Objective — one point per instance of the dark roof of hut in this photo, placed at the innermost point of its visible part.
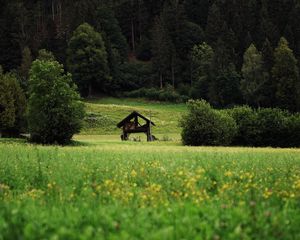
(131, 116)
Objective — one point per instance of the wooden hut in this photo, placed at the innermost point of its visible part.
(131, 124)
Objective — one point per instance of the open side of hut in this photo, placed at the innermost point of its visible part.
(1, 108)
(131, 124)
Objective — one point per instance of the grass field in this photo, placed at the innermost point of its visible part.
(110, 111)
(102, 188)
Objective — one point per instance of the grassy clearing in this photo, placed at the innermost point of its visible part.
(110, 111)
(101, 188)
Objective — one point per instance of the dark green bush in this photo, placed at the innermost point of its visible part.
(292, 132)
(266, 127)
(205, 126)
(248, 133)
(135, 75)
(271, 124)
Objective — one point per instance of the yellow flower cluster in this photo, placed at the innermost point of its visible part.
(152, 183)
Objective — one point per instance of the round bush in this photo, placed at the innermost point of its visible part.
(55, 112)
(292, 138)
(248, 133)
(205, 126)
(272, 125)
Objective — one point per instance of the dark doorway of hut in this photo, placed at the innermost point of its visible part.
(131, 124)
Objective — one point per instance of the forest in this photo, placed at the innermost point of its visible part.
(226, 52)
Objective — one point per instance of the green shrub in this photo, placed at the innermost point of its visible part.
(205, 126)
(271, 124)
(55, 112)
(266, 127)
(292, 138)
(248, 133)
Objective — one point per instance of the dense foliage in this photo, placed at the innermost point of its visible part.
(266, 127)
(225, 52)
(242, 126)
(55, 112)
(204, 125)
(87, 59)
(12, 105)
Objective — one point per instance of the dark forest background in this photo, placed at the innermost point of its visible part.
(225, 51)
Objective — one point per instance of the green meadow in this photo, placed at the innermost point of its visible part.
(102, 188)
(109, 112)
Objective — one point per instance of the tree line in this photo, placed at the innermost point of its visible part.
(226, 52)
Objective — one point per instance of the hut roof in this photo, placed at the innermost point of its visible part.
(131, 116)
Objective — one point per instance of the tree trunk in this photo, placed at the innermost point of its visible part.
(161, 80)
(90, 90)
(53, 16)
(173, 74)
(132, 35)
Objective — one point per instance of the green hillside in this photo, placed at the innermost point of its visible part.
(104, 114)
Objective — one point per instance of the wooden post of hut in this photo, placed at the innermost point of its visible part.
(131, 124)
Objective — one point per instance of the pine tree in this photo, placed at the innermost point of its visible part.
(25, 65)
(161, 49)
(266, 29)
(87, 59)
(7, 108)
(248, 40)
(214, 24)
(12, 105)
(254, 76)
(108, 25)
(202, 57)
(269, 88)
(285, 73)
(197, 11)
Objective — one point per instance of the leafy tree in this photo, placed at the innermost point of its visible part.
(87, 59)
(202, 57)
(45, 55)
(285, 73)
(254, 76)
(55, 111)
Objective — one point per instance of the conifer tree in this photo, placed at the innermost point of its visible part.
(285, 74)
(254, 76)
(269, 88)
(87, 59)
(202, 57)
(214, 24)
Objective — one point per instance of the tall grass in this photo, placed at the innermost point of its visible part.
(101, 189)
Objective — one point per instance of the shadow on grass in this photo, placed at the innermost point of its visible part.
(13, 140)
